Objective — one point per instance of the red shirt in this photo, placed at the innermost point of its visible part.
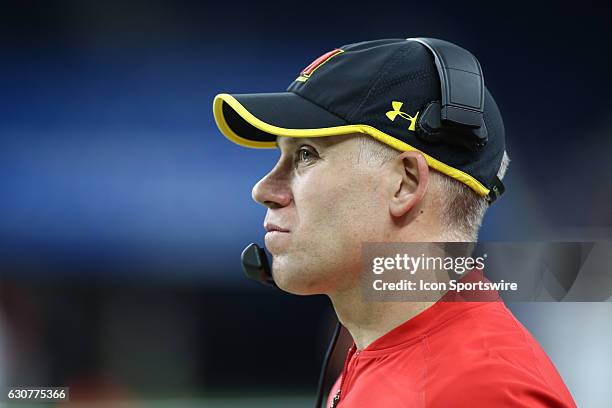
(453, 354)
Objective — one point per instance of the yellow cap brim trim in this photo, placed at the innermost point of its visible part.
(325, 132)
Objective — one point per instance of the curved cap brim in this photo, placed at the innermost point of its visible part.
(255, 120)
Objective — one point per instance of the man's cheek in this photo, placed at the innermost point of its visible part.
(316, 196)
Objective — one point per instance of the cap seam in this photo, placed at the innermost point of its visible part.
(391, 59)
(320, 106)
(422, 74)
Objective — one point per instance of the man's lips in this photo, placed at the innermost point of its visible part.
(277, 238)
(270, 227)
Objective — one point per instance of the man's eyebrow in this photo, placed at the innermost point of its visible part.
(290, 142)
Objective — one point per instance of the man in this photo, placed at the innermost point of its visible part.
(358, 165)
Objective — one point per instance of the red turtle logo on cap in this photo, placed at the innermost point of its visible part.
(307, 72)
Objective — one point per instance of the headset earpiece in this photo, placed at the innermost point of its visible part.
(430, 128)
(458, 119)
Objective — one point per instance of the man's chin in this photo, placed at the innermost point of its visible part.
(292, 280)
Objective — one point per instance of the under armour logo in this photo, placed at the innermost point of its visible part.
(392, 114)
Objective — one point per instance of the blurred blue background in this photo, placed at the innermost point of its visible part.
(123, 210)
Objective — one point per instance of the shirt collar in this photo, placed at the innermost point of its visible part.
(450, 306)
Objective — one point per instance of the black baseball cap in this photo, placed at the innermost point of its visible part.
(377, 88)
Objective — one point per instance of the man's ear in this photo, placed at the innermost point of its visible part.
(409, 192)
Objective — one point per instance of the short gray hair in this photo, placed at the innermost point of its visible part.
(461, 207)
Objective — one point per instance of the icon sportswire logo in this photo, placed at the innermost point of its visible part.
(397, 106)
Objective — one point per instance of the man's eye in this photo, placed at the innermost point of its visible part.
(306, 154)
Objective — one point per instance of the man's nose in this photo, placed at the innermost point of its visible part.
(272, 191)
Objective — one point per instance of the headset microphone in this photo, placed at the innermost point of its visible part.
(256, 266)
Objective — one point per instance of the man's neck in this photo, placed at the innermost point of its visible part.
(368, 321)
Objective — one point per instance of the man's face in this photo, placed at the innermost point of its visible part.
(328, 202)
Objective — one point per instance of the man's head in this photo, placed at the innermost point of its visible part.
(331, 194)
(385, 140)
